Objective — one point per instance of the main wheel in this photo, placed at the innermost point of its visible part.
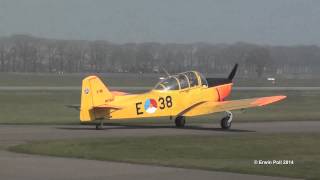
(180, 121)
(225, 123)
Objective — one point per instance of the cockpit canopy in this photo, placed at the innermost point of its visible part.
(182, 81)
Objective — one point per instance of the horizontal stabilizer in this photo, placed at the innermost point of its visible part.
(106, 106)
(74, 106)
(118, 93)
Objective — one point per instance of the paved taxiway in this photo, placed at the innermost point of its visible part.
(20, 166)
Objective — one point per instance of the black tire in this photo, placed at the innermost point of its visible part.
(225, 124)
(180, 121)
(99, 127)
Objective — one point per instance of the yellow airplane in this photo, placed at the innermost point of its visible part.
(181, 95)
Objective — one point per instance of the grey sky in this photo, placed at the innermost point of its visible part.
(275, 22)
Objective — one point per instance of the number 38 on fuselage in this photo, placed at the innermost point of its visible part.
(172, 94)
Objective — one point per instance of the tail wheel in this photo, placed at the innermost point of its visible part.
(99, 126)
(226, 121)
(180, 121)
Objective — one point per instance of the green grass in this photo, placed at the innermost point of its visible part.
(41, 107)
(49, 107)
(222, 153)
(285, 82)
(299, 105)
(131, 79)
(41, 79)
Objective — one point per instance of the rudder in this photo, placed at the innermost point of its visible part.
(94, 93)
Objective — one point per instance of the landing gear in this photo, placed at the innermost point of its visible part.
(100, 125)
(226, 121)
(180, 121)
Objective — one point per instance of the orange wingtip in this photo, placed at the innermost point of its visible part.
(267, 100)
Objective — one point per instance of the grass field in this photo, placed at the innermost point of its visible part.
(129, 79)
(227, 153)
(26, 79)
(49, 107)
(41, 107)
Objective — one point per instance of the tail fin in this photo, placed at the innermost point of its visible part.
(94, 93)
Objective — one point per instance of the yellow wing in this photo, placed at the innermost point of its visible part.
(209, 107)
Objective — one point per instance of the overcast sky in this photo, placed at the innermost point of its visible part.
(274, 22)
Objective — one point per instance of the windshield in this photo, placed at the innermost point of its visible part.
(169, 83)
(192, 79)
(181, 81)
(203, 80)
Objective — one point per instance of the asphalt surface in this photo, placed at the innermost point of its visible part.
(21, 166)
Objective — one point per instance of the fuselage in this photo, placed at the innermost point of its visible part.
(172, 96)
(157, 103)
(179, 96)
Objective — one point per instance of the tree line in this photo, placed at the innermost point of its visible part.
(24, 53)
